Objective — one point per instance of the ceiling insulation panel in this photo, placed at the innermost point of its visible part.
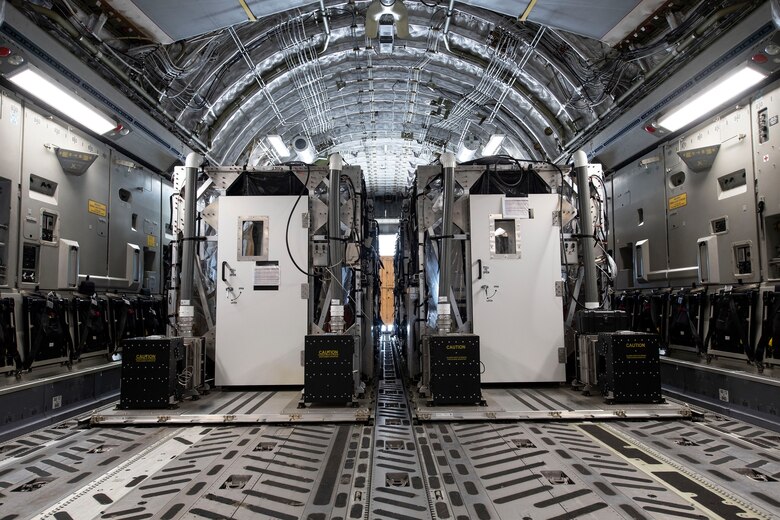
(606, 20)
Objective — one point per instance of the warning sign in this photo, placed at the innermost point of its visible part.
(96, 208)
(678, 201)
(151, 241)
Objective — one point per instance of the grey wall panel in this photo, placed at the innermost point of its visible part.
(10, 169)
(134, 206)
(166, 231)
(639, 214)
(705, 197)
(71, 199)
(766, 156)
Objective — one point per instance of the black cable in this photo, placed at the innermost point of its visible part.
(289, 219)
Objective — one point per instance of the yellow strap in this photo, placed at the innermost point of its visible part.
(524, 16)
(251, 15)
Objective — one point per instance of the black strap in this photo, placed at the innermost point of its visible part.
(770, 326)
(42, 334)
(736, 320)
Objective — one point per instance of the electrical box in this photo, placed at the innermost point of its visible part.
(455, 369)
(328, 368)
(151, 368)
(630, 367)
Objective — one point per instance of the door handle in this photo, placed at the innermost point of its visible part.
(224, 265)
(479, 267)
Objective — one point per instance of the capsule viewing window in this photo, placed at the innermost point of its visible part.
(253, 238)
(504, 237)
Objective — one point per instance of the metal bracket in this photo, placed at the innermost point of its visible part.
(559, 288)
(556, 218)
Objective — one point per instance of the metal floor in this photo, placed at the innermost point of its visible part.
(395, 469)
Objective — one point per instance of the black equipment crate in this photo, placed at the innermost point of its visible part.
(595, 321)
(328, 376)
(455, 369)
(150, 372)
(629, 367)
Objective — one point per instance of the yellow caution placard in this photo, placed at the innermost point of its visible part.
(328, 354)
(678, 201)
(151, 241)
(97, 208)
(146, 358)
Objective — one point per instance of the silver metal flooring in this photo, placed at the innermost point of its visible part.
(395, 469)
(548, 403)
(273, 406)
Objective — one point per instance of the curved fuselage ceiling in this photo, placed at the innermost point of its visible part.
(233, 72)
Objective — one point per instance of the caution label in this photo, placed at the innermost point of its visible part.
(97, 208)
(678, 201)
(151, 241)
(146, 358)
(328, 354)
(456, 347)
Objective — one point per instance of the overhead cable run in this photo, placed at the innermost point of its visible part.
(253, 69)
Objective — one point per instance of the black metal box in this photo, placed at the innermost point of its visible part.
(594, 321)
(629, 367)
(455, 369)
(150, 372)
(327, 373)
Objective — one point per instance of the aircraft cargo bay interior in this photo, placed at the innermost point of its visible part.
(389, 259)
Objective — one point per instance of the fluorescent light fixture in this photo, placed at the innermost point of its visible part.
(56, 96)
(304, 149)
(466, 151)
(386, 245)
(308, 156)
(278, 144)
(493, 144)
(708, 100)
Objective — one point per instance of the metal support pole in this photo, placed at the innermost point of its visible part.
(187, 273)
(445, 243)
(336, 249)
(588, 239)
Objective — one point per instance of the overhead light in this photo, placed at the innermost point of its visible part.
(467, 148)
(56, 96)
(715, 96)
(304, 149)
(278, 145)
(493, 144)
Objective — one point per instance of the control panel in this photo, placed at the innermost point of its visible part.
(30, 255)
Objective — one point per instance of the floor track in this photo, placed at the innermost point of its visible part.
(395, 469)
